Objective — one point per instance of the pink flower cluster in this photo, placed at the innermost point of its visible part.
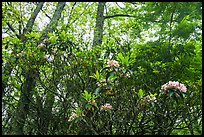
(175, 85)
(113, 63)
(107, 106)
(148, 99)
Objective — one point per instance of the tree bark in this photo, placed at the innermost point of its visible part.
(98, 32)
(25, 99)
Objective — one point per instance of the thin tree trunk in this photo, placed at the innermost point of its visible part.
(98, 32)
(46, 113)
(30, 78)
(55, 18)
(27, 87)
(8, 67)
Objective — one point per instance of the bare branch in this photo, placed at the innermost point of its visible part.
(48, 16)
(119, 5)
(20, 21)
(119, 15)
(80, 14)
(71, 12)
(9, 25)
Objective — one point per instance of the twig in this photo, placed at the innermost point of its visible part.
(119, 15)
(9, 25)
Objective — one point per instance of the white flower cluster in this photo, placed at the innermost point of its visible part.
(49, 58)
(113, 63)
(175, 85)
(73, 116)
(41, 46)
(107, 106)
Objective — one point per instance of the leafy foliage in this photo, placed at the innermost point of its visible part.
(65, 85)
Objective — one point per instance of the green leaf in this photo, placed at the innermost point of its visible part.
(97, 91)
(92, 76)
(96, 76)
(171, 93)
(153, 95)
(50, 34)
(78, 111)
(53, 39)
(62, 35)
(120, 57)
(86, 95)
(140, 93)
(109, 74)
(88, 106)
(126, 61)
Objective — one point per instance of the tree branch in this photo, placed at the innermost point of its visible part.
(80, 14)
(12, 29)
(119, 15)
(47, 16)
(119, 5)
(71, 12)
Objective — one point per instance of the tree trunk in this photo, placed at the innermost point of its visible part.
(54, 20)
(8, 67)
(30, 77)
(31, 21)
(30, 80)
(98, 32)
(25, 99)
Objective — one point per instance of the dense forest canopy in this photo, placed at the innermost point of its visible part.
(101, 68)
